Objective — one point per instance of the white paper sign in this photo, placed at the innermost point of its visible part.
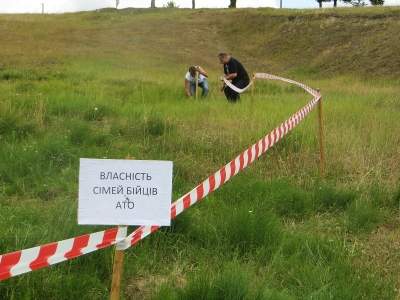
(124, 192)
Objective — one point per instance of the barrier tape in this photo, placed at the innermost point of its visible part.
(269, 77)
(235, 88)
(232, 168)
(24, 261)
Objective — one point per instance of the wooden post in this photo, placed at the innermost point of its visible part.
(321, 139)
(118, 267)
(254, 85)
(197, 84)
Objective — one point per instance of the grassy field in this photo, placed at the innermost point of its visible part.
(110, 84)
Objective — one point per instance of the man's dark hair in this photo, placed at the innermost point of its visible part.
(223, 54)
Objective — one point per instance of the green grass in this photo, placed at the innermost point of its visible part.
(109, 85)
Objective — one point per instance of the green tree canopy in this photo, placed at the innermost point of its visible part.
(377, 2)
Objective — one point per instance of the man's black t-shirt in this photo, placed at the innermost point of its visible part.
(234, 66)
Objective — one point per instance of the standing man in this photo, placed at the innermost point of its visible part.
(190, 81)
(236, 73)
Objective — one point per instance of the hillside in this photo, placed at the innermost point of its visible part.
(109, 84)
(319, 42)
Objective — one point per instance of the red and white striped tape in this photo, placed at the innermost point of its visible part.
(268, 77)
(232, 168)
(235, 88)
(20, 262)
(24, 261)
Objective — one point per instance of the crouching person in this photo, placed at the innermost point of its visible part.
(190, 81)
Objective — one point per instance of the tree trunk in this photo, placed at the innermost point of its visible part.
(320, 3)
(334, 3)
(193, 4)
(233, 4)
(153, 4)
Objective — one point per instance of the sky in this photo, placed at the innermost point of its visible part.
(60, 6)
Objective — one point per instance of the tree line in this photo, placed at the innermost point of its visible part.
(233, 3)
(352, 2)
